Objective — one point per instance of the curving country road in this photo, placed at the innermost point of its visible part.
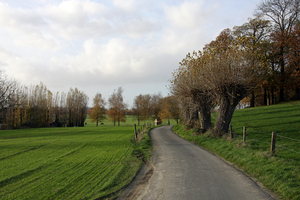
(182, 170)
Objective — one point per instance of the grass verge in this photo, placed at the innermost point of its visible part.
(279, 172)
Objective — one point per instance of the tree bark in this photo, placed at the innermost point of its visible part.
(252, 101)
(297, 93)
(281, 89)
(194, 117)
(265, 96)
(226, 110)
(205, 119)
(228, 98)
(272, 96)
(203, 102)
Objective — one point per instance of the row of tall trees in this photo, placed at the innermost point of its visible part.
(117, 108)
(145, 107)
(155, 107)
(259, 58)
(36, 106)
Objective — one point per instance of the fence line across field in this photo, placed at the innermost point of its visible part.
(279, 146)
(288, 138)
(258, 141)
(265, 133)
(273, 138)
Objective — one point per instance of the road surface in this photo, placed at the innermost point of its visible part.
(182, 170)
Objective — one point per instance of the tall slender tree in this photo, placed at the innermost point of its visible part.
(117, 106)
(142, 107)
(98, 110)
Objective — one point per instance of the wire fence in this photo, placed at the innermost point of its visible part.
(242, 133)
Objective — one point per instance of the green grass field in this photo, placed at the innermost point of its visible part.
(67, 163)
(130, 121)
(279, 172)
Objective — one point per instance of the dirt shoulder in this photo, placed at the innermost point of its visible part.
(141, 179)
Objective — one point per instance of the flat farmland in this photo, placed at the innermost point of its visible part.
(130, 121)
(66, 163)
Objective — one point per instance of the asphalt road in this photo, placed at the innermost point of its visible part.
(182, 170)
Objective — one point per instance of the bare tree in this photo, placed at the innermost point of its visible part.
(76, 105)
(188, 111)
(229, 74)
(8, 91)
(189, 82)
(154, 104)
(142, 107)
(117, 108)
(39, 106)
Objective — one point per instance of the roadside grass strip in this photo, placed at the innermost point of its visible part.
(66, 163)
(279, 172)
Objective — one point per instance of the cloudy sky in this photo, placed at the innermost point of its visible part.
(100, 45)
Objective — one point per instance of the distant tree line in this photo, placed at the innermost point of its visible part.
(145, 107)
(36, 106)
(155, 106)
(256, 64)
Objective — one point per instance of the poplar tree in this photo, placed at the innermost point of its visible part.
(98, 110)
(117, 107)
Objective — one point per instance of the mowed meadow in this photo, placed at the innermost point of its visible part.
(67, 163)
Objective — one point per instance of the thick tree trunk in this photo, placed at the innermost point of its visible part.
(194, 117)
(205, 119)
(281, 89)
(226, 110)
(297, 93)
(228, 98)
(268, 98)
(186, 116)
(265, 96)
(203, 102)
(272, 96)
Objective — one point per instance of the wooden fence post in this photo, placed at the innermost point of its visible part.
(273, 141)
(244, 134)
(135, 133)
(231, 133)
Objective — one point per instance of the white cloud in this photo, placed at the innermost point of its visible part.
(91, 43)
(187, 15)
(75, 19)
(127, 5)
(43, 42)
